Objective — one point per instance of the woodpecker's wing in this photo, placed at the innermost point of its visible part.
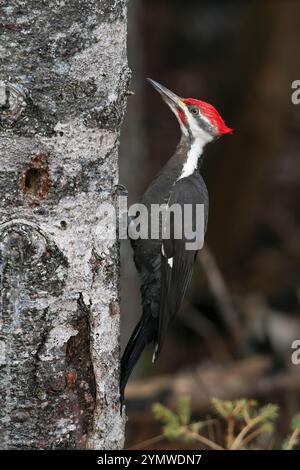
(175, 281)
(178, 255)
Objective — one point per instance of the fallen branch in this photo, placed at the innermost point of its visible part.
(246, 378)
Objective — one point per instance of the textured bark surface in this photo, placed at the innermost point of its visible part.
(64, 79)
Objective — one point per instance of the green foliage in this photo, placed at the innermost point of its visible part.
(176, 426)
(232, 409)
(243, 419)
(163, 414)
(269, 412)
(296, 423)
(184, 410)
(293, 439)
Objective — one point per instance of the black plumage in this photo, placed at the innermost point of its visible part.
(163, 287)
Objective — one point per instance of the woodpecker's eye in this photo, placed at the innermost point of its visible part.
(194, 110)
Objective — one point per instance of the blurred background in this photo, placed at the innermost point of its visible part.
(234, 335)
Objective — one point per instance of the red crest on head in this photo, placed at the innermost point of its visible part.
(211, 113)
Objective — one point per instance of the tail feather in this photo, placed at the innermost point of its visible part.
(142, 335)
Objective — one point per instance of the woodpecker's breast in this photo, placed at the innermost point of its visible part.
(183, 160)
(180, 175)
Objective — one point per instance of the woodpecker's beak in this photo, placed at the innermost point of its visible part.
(168, 96)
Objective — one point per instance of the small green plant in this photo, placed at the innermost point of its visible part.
(179, 425)
(244, 422)
(293, 439)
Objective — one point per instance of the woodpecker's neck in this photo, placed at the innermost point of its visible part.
(194, 155)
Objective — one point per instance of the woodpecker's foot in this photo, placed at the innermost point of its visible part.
(121, 190)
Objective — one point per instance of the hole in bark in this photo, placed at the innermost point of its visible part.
(63, 225)
(33, 181)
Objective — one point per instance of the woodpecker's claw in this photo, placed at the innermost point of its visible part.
(121, 190)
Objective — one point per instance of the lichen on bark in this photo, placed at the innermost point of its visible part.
(63, 84)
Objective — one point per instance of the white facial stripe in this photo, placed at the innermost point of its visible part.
(192, 122)
(201, 138)
(182, 126)
(170, 262)
(192, 158)
(204, 118)
(195, 128)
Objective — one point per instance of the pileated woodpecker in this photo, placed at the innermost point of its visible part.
(165, 265)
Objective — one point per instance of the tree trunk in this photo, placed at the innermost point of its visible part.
(64, 79)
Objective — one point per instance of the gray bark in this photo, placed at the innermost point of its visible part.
(64, 80)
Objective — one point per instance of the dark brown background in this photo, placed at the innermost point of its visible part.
(242, 57)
